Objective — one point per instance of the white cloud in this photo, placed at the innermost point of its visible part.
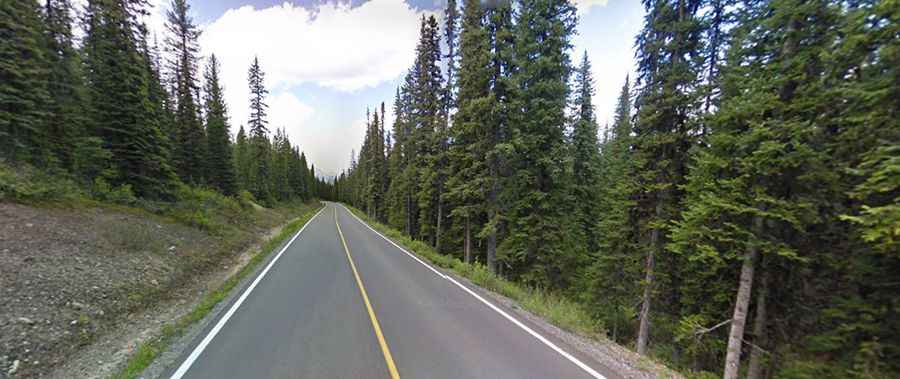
(333, 45)
(584, 6)
(287, 111)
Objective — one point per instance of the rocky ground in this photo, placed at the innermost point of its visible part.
(69, 277)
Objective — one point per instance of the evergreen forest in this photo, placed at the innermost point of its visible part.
(740, 216)
(120, 111)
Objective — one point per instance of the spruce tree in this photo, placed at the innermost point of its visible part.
(428, 132)
(258, 139)
(126, 122)
(471, 132)
(220, 167)
(305, 184)
(242, 160)
(666, 106)
(23, 83)
(398, 194)
(615, 269)
(539, 246)
(65, 118)
(451, 37)
(181, 43)
(585, 153)
(500, 30)
(758, 186)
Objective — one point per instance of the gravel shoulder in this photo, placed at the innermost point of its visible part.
(81, 287)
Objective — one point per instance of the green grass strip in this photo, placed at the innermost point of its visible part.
(148, 350)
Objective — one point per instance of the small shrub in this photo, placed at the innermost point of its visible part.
(246, 199)
(205, 208)
(26, 183)
(103, 191)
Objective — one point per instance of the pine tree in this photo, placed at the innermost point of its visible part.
(23, 83)
(616, 269)
(259, 142)
(279, 165)
(220, 167)
(451, 37)
(181, 44)
(501, 35)
(126, 122)
(65, 119)
(666, 107)
(539, 247)
(758, 184)
(398, 194)
(242, 160)
(428, 135)
(471, 132)
(305, 185)
(585, 153)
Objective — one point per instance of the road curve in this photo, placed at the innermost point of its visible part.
(323, 310)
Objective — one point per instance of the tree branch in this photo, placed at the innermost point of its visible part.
(707, 330)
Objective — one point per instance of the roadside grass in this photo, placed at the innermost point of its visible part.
(147, 351)
(557, 310)
(198, 207)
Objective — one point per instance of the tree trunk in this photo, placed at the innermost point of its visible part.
(408, 215)
(491, 253)
(644, 326)
(468, 247)
(755, 369)
(741, 303)
(437, 233)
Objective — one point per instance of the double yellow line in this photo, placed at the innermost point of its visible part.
(392, 368)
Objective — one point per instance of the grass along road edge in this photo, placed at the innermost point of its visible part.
(148, 351)
(553, 308)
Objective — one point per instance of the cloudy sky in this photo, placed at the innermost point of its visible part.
(326, 61)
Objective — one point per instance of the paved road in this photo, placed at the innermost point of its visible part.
(340, 301)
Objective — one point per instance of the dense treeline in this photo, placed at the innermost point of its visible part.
(740, 216)
(114, 111)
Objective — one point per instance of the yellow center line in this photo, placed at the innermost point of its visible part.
(392, 369)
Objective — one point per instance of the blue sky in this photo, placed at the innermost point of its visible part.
(327, 61)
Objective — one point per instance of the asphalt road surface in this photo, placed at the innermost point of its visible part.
(341, 301)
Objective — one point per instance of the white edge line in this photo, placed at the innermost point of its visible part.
(397, 246)
(215, 330)
(534, 334)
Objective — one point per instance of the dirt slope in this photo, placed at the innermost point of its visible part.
(67, 275)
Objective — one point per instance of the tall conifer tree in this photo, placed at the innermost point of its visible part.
(126, 122)
(23, 82)
(585, 153)
(258, 139)
(538, 247)
(181, 43)
(65, 120)
(220, 167)
(471, 132)
(428, 131)
(667, 108)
